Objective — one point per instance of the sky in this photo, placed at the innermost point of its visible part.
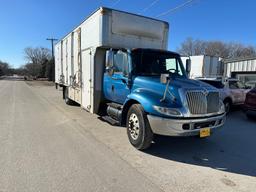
(27, 23)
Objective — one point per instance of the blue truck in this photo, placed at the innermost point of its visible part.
(116, 64)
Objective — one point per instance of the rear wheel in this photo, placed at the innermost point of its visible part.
(66, 99)
(138, 129)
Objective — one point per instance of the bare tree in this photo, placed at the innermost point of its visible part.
(192, 47)
(33, 69)
(235, 50)
(199, 47)
(37, 59)
(215, 48)
(37, 55)
(248, 51)
(4, 68)
(187, 47)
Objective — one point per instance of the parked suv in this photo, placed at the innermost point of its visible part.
(232, 91)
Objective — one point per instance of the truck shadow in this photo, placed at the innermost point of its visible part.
(231, 149)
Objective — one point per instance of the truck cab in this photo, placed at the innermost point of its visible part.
(149, 91)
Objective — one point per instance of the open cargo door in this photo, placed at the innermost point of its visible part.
(86, 80)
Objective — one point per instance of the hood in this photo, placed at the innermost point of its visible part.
(155, 89)
(153, 82)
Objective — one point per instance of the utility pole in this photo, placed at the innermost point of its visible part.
(52, 41)
(52, 76)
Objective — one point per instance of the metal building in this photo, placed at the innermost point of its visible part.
(243, 69)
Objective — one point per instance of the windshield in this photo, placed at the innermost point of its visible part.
(152, 62)
(236, 85)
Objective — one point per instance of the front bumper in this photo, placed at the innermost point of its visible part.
(184, 127)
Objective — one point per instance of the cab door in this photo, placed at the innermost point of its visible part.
(115, 86)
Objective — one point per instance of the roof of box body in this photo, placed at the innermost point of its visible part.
(108, 9)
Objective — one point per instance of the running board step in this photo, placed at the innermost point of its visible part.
(110, 120)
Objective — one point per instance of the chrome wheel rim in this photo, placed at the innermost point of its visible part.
(134, 127)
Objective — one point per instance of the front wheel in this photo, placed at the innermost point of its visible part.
(138, 128)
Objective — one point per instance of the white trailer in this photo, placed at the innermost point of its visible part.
(204, 66)
(80, 55)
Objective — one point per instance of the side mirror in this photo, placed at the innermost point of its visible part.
(164, 78)
(110, 62)
(188, 66)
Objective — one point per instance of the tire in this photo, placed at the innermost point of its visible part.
(66, 99)
(56, 85)
(227, 104)
(138, 128)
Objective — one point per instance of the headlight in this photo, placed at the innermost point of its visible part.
(222, 107)
(168, 111)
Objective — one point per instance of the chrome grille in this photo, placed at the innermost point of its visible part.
(202, 103)
(213, 102)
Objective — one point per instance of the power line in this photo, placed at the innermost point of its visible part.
(150, 5)
(175, 8)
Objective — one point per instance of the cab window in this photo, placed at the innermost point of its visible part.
(121, 62)
(173, 66)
